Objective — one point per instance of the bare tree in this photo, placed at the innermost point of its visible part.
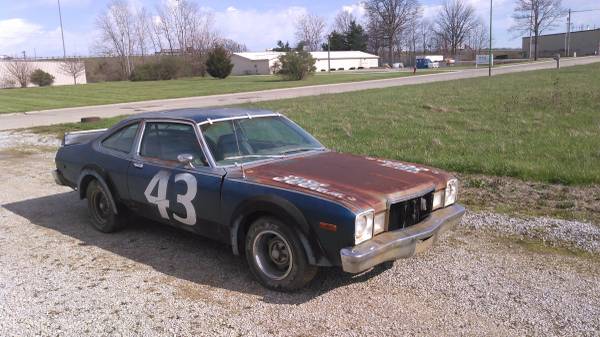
(426, 35)
(342, 21)
(478, 37)
(202, 35)
(387, 19)
(117, 33)
(310, 29)
(233, 46)
(536, 16)
(185, 27)
(19, 71)
(73, 68)
(143, 31)
(454, 23)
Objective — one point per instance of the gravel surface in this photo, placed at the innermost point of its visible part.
(15, 139)
(557, 232)
(60, 277)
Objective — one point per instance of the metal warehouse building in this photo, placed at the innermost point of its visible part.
(585, 42)
(262, 63)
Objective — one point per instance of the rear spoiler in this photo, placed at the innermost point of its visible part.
(79, 137)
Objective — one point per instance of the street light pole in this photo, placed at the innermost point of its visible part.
(62, 35)
(490, 50)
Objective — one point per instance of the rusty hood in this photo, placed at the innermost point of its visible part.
(358, 182)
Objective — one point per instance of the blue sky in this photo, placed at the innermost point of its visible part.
(33, 26)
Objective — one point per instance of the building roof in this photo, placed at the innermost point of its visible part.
(595, 30)
(200, 115)
(350, 54)
(320, 55)
(259, 56)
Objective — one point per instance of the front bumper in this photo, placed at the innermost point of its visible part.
(400, 243)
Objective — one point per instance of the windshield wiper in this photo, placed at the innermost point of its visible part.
(254, 156)
(301, 149)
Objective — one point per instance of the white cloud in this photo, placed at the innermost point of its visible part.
(18, 35)
(357, 9)
(258, 29)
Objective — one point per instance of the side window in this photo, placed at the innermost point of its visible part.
(122, 140)
(165, 141)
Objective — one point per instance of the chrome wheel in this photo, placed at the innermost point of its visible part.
(272, 254)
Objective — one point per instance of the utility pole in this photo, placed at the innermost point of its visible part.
(329, 53)
(568, 32)
(568, 37)
(62, 34)
(530, 32)
(490, 51)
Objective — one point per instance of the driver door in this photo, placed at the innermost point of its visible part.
(185, 195)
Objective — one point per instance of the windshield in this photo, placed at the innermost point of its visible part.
(251, 139)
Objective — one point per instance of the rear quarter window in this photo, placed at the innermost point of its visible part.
(122, 140)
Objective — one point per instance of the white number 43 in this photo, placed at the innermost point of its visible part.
(160, 200)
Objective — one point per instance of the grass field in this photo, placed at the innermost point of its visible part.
(541, 126)
(31, 99)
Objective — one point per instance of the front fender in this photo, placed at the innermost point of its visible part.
(278, 207)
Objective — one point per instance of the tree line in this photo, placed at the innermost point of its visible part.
(392, 28)
(174, 28)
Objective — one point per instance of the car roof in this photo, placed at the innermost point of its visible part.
(200, 115)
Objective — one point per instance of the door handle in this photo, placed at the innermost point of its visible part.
(138, 165)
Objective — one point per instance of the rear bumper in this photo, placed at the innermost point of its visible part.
(59, 179)
(401, 243)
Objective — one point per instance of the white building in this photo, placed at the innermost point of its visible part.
(262, 63)
(51, 67)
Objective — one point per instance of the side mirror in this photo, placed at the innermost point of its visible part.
(186, 159)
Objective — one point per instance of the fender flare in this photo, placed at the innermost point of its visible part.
(278, 207)
(92, 173)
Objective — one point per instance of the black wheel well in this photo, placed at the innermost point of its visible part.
(246, 221)
(89, 175)
(85, 182)
(244, 226)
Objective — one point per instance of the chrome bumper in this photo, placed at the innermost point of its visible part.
(400, 243)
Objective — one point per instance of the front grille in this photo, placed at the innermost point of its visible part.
(409, 212)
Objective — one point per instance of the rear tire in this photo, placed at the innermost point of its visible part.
(276, 256)
(101, 211)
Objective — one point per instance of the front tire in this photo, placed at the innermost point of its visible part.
(101, 210)
(276, 256)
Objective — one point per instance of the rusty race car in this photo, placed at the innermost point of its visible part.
(257, 181)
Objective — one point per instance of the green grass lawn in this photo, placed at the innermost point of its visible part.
(31, 99)
(542, 125)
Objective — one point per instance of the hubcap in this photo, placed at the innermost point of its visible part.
(272, 254)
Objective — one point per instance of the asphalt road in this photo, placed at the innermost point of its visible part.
(57, 116)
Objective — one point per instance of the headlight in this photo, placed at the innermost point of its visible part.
(379, 223)
(438, 199)
(451, 192)
(363, 227)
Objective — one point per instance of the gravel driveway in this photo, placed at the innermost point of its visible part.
(60, 277)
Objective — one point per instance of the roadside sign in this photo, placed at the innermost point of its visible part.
(483, 59)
